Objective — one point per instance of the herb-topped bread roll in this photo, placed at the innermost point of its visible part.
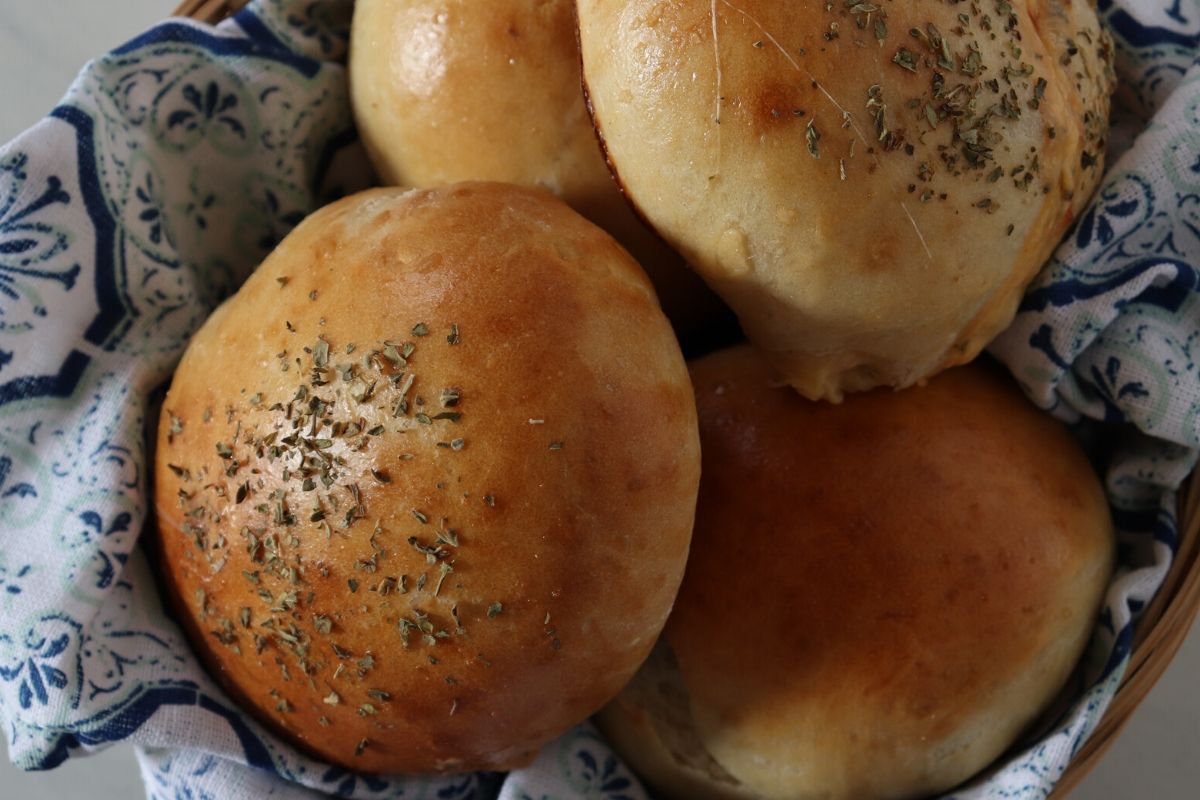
(452, 90)
(869, 185)
(880, 594)
(425, 485)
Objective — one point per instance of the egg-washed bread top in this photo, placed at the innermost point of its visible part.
(881, 595)
(425, 485)
(870, 186)
(454, 90)
(450, 90)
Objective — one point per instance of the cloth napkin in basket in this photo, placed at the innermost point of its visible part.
(177, 161)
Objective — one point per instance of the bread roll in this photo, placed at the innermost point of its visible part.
(880, 595)
(452, 90)
(425, 485)
(870, 186)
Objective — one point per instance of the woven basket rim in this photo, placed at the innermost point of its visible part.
(1161, 629)
(208, 10)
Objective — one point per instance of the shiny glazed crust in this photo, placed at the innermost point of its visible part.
(425, 485)
(453, 90)
(880, 596)
(869, 190)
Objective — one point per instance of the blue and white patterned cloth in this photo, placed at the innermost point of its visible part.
(176, 162)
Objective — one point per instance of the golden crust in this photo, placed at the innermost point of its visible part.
(452, 90)
(871, 214)
(548, 456)
(881, 594)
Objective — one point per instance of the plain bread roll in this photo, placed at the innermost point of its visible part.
(881, 595)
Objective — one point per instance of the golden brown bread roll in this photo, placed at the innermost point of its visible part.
(880, 594)
(425, 485)
(452, 90)
(870, 186)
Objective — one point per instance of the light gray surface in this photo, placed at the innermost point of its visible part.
(42, 45)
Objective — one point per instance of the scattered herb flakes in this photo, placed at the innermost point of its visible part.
(362, 746)
(320, 353)
(812, 138)
(494, 610)
(556, 445)
(906, 59)
(392, 354)
(432, 553)
(365, 664)
(304, 454)
(332, 699)
(282, 281)
(444, 569)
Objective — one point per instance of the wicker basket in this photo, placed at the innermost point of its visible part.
(210, 11)
(1161, 629)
